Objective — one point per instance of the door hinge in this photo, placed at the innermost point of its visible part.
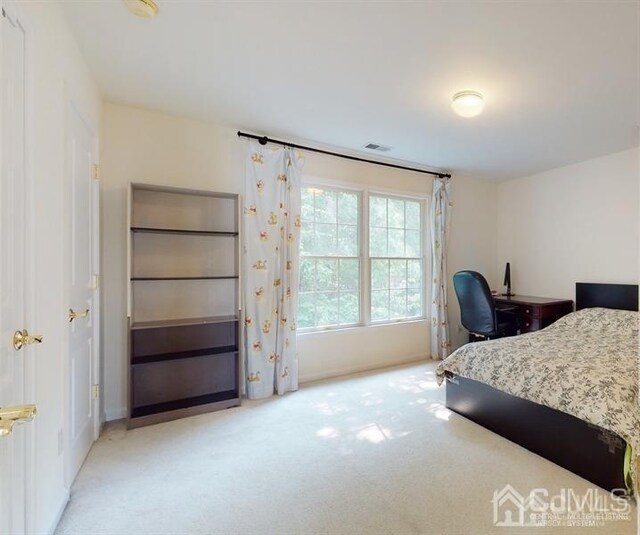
(96, 171)
(96, 281)
(95, 391)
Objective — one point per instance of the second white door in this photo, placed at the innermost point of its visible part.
(82, 268)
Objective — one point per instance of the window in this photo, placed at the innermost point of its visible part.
(333, 259)
(395, 252)
(330, 258)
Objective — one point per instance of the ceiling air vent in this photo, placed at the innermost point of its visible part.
(377, 147)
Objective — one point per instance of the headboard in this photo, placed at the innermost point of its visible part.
(620, 296)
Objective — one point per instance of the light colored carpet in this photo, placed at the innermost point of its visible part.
(369, 453)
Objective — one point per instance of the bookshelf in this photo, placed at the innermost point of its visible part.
(183, 302)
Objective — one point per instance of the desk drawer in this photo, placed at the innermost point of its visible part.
(529, 324)
(530, 311)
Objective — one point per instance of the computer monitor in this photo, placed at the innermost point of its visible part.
(507, 279)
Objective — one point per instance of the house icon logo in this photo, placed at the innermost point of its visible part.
(508, 507)
(512, 509)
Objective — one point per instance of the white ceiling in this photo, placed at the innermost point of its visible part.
(560, 79)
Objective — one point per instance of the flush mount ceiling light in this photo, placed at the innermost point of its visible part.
(142, 8)
(467, 103)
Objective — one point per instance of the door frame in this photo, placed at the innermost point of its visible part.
(31, 353)
(72, 103)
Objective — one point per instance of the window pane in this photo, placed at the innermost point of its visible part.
(327, 308)
(396, 213)
(414, 274)
(347, 240)
(412, 243)
(307, 274)
(307, 205)
(398, 274)
(306, 314)
(326, 236)
(378, 211)
(396, 242)
(412, 215)
(414, 303)
(379, 274)
(350, 275)
(327, 274)
(398, 304)
(378, 241)
(348, 208)
(379, 305)
(326, 206)
(349, 308)
(307, 244)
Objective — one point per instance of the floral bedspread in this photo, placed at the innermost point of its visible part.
(585, 364)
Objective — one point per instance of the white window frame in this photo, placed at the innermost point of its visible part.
(422, 257)
(363, 252)
(360, 256)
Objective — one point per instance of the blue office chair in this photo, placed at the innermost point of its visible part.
(478, 312)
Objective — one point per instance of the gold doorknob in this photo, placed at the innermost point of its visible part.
(9, 416)
(75, 315)
(23, 338)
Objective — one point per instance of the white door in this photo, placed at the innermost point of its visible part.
(15, 263)
(82, 313)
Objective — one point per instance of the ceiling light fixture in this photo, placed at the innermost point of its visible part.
(142, 8)
(467, 103)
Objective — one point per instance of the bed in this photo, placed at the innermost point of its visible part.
(568, 392)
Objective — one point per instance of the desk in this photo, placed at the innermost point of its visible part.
(535, 313)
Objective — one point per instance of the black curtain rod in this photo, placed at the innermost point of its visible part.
(263, 140)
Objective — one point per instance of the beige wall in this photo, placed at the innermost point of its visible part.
(473, 243)
(146, 146)
(55, 72)
(573, 224)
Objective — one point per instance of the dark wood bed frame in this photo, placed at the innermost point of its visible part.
(587, 450)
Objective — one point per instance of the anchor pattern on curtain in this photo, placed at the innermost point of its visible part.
(271, 269)
(440, 217)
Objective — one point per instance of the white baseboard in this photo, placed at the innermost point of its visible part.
(56, 519)
(369, 366)
(115, 414)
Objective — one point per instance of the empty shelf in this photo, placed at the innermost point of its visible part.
(204, 277)
(152, 230)
(180, 322)
(147, 410)
(175, 355)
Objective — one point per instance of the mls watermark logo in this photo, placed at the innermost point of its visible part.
(566, 508)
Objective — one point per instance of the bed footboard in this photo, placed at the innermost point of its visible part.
(587, 450)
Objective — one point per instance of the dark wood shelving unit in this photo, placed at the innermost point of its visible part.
(184, 329)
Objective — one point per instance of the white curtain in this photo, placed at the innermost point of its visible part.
(440, 217)
(271, 269)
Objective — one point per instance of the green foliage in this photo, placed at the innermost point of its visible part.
(394, 227)
(317, 309)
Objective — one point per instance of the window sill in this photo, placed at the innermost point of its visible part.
(364, 328)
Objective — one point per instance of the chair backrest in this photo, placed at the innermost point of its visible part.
(477, 309)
